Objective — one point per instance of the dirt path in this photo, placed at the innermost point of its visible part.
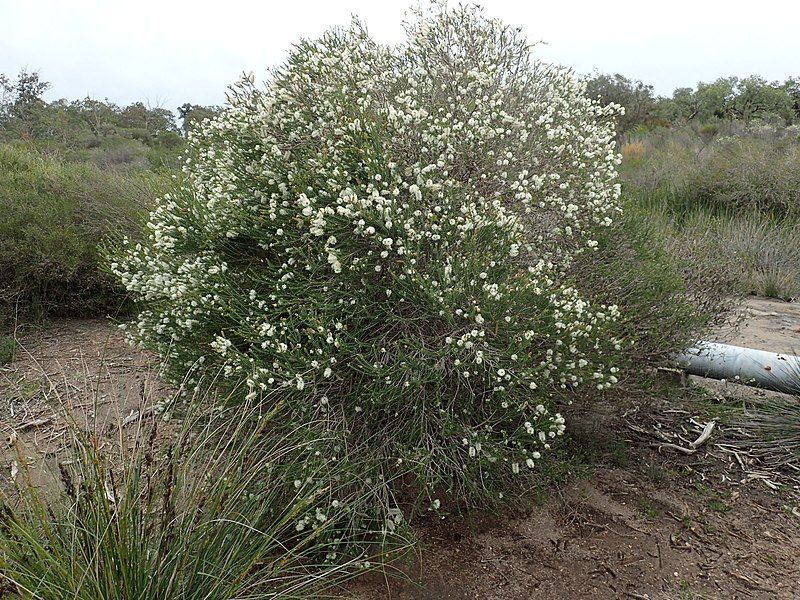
(767, 324)
(73, 370)
(649, 523)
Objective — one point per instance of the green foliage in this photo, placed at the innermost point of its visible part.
(21, 101)
(8, 347)
(725, 99)
(137, 136)
(750, 173)
(665, 301)
(120, 153)
(731, 98)
(635, 96)
(792, 87)
(213, 515)
(755, 98)
(648, 510)
(152, 121)
(53, 216)
(721, 167)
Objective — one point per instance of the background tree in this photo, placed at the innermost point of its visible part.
(636, 96)
(683, 104)
(194, 114)
(713, 99)
(100, 116)
(755, 97)
(792, 87)
(22, 102)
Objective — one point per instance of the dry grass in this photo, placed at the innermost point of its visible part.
(633, 152)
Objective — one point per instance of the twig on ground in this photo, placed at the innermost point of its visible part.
(748, 581)
(674, 447)
(707, 431)
(35, 423)
(137, 415)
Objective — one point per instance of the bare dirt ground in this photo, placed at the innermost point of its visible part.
(649, 522)
(73, 370)
(768, 324)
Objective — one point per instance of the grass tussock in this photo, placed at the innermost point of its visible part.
(735, 254)
(215, 513)
(8, 348)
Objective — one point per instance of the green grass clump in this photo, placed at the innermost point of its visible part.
(53, 217)
(216, 514)
(736, 253)
(8, 347)
(746, 173)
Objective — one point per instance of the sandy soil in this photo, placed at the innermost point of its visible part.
(767, 324)
(649, 522)
(73, 370)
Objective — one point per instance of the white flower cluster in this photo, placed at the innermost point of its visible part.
(379, 237)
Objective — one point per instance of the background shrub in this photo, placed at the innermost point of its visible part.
(53, 217)
(376, 246)
(723, 202)
(741, 169)
(752, 175)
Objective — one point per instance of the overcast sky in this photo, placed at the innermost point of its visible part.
(169, 52)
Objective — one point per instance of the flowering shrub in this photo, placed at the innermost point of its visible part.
(374, 247)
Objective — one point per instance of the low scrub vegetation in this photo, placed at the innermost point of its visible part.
(668, 292)
(54, 218)
(398, 264)
(726, 198)
(733, 169)
(133, 137)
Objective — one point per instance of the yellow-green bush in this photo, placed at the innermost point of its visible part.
(53, 218)
(748, 173)
(720, 167)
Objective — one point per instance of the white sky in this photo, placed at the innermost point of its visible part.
(172, 51)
